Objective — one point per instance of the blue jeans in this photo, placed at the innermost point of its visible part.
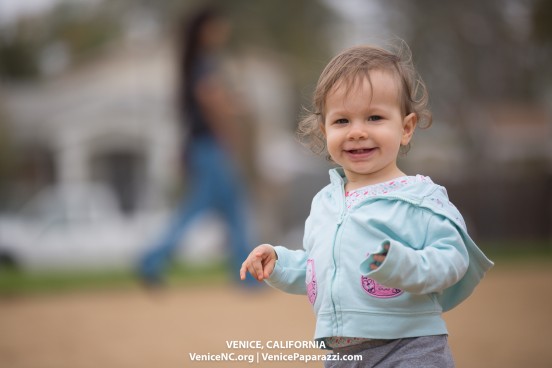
(214, 185)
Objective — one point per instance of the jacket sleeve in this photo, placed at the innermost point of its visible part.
(439, 264)
(290, 271)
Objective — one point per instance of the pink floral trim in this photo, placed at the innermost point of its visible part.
(357, 195)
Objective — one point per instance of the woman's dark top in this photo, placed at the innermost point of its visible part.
(195, 122)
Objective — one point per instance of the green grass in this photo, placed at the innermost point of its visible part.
(15, 282)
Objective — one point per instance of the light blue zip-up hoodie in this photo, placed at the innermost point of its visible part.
(432, 264)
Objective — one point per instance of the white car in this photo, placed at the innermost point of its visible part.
(79, 227)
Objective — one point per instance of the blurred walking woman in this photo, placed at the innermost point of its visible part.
(208, 112)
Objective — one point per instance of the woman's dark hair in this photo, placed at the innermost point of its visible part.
(190, 45)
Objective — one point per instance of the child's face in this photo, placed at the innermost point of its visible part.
(364, 129)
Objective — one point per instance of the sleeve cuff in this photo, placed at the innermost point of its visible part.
(365, 265)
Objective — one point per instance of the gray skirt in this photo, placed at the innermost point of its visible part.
(416, 352)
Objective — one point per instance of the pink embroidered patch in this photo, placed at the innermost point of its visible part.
(377, 290)
(311, 281)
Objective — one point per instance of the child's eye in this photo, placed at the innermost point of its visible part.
(341, 121)
(374, 118)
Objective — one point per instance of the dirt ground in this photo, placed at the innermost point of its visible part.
(506, 323)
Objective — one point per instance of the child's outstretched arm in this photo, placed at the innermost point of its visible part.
(260, 262)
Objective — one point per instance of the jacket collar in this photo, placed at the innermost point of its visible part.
(337, 176)
(429, 195)
(412, 193)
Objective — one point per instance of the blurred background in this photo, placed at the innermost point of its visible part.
(89, 132)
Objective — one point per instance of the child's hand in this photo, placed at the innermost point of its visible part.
(260, 262)
(379, 258)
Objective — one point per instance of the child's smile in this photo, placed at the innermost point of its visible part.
(360, 153)
(364, 128)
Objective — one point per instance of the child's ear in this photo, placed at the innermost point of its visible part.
(409, 125)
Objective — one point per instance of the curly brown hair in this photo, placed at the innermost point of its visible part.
(346, 68)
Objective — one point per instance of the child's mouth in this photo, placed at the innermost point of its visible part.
(360, 151)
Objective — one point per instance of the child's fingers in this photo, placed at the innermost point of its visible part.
(255, 264)
(252, 271)
(379, 258)
(247, 267)
(258, 266)
(269, 267)
(244, 269)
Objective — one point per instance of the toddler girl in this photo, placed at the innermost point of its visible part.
(384, 254)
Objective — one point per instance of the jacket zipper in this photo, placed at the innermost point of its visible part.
(340, 220)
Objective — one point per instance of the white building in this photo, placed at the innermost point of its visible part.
(111, 120)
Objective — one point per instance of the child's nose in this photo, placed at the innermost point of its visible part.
(357, 131)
